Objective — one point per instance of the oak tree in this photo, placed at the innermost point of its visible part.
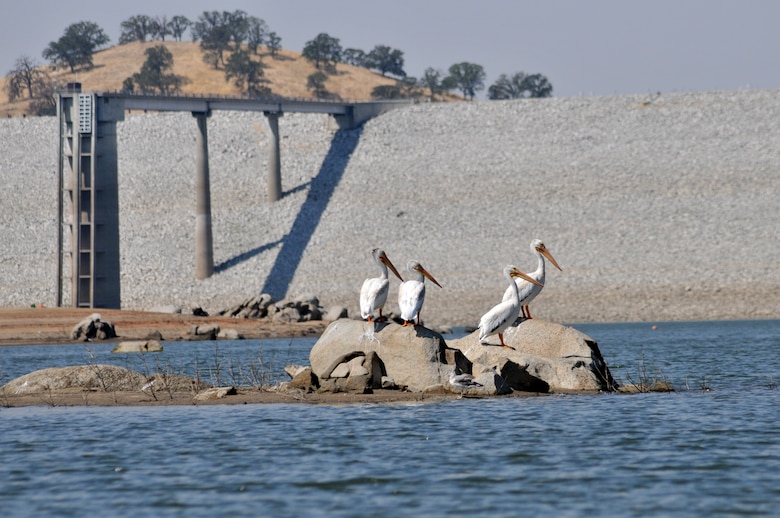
(469, 78)
(323, 52)
(27, 77)
(76, 46)
(386, 60)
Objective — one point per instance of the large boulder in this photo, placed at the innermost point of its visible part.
(106, 378)
(103, 377)
(138, 346)
(547, 357)
(362, 353)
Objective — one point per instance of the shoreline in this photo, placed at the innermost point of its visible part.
(52, 326)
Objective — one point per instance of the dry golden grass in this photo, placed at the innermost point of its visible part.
(287, 74)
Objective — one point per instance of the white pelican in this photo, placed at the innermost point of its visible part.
(505, 313)
(528, 291)
(373, 293)
(411, 293)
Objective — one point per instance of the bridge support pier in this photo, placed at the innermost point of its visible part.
(204, 251)
(274, 160)
(88, 208)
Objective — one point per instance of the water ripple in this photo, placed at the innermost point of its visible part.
(695, 453)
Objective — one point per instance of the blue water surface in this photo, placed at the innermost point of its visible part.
(712, 448)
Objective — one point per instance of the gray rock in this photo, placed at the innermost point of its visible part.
(92, 327)
(168, 309)
(342, 370)
(294, 370)
(287, 315)
(388, 383)
(335, 313)
(215, 393)
(96, 376)
(229, 334)
(107, 378)
(253, 307)
(486, 383)
(303, 379)
(547, 357)
(355, 372)
(203, 332)
(415, 357)
(138, 346)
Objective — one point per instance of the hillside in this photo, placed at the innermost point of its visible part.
(287, 74)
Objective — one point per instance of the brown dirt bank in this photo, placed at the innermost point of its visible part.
(245, 396)
(27, 326)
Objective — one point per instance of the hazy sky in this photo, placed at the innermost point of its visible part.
(584, 47)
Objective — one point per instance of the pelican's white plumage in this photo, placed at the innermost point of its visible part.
(373, 293)
(411, 293)
(528, 291)
(504, 314)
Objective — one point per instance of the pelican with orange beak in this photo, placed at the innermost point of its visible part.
(502, 315)
(411, 293)
(528, 291)
(373, 293)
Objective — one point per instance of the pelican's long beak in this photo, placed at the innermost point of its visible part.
(518, 273)
(387, 262)
(543, 250)
(425, 272)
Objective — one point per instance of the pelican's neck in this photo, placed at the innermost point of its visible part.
(418, 276)
(513, 287)
(383, 269)
(538, 274)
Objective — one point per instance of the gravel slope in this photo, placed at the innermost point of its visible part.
(657, 207)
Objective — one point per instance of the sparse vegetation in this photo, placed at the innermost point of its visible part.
(155, 75)
(648, 378)
(274, 44)
(31, 81)
(468, 77)
(519, 86)
(246, 73)
(387, 60)
(315, 83)
(702, 385)
(323, 52)
(432, 81)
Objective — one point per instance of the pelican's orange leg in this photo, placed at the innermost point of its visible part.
(501, 339)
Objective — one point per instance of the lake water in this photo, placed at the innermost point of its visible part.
(712, 448)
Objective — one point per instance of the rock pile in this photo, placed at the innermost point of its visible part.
(93, 327)
(302, 309)
(544, 357)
